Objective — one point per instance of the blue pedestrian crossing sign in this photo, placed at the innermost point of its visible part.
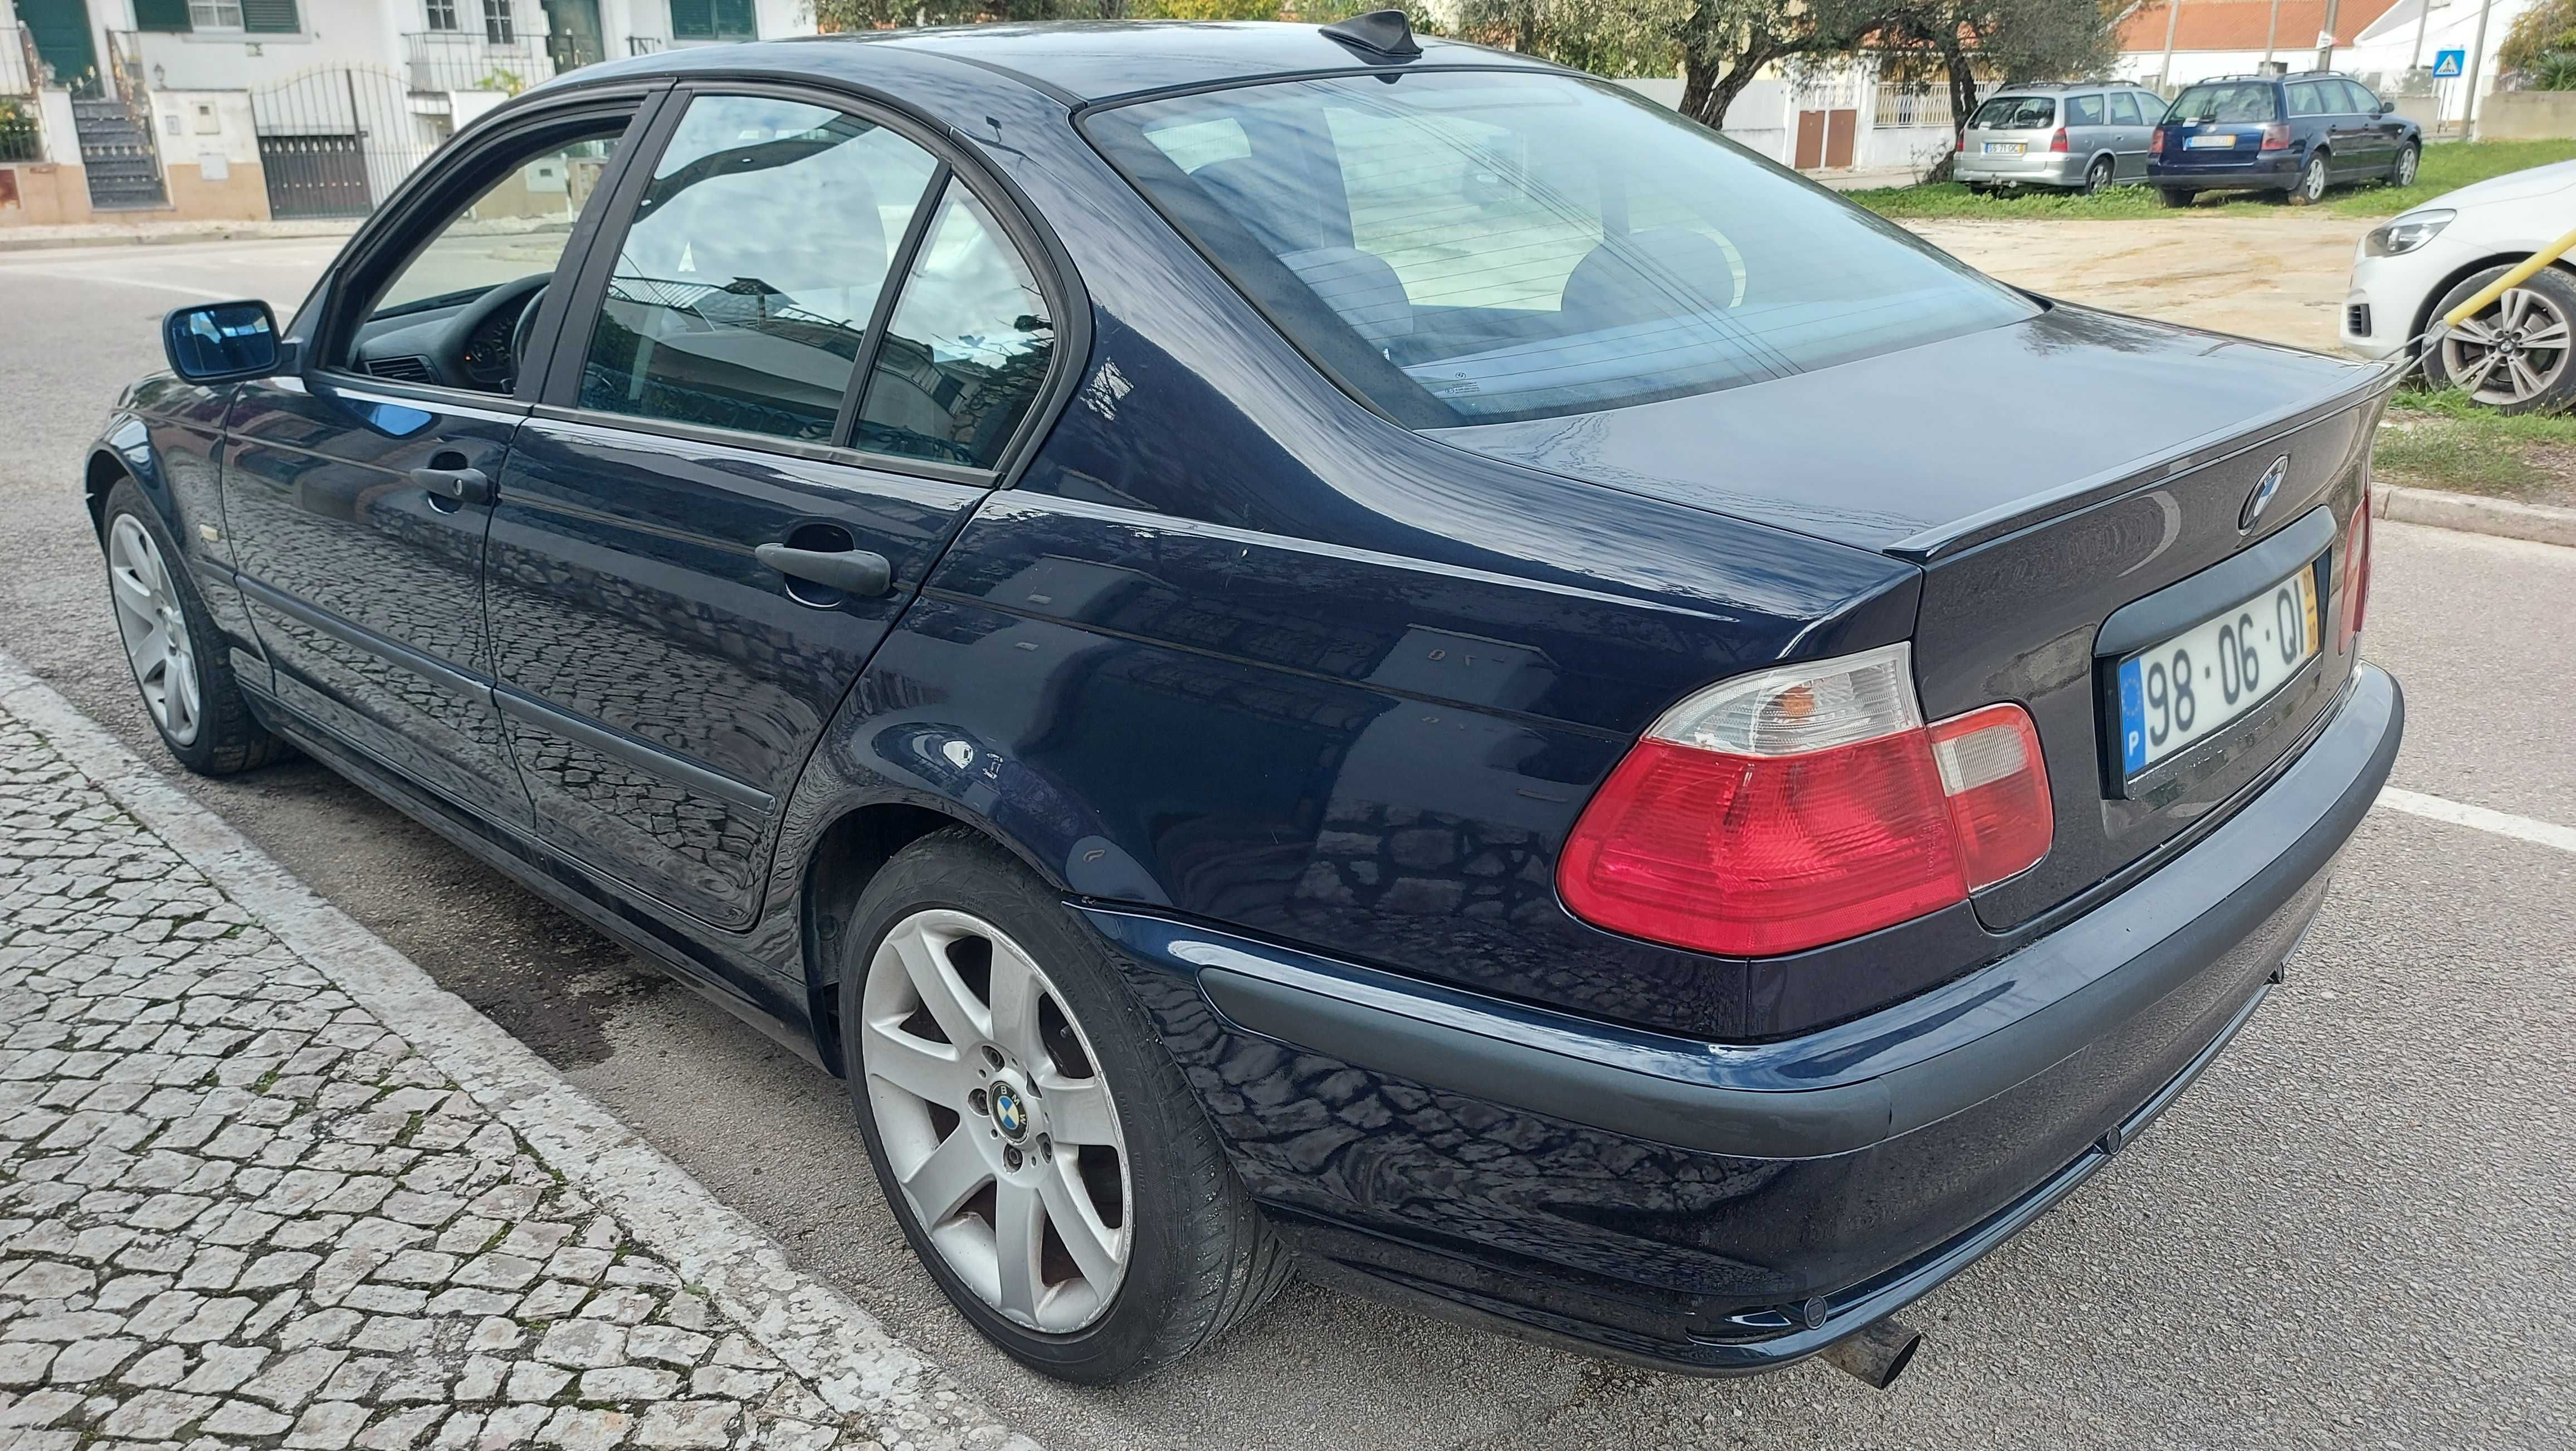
(2449, 63)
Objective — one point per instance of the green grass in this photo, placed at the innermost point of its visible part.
(2447, 166)
(2444, 441)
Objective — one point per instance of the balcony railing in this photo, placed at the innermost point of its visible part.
(468, 60)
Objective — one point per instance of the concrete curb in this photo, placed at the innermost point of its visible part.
(170, 236)
(2503, 518)
(856, 1365)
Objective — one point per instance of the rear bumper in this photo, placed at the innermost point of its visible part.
(1724, 1209)
(2036, 168)
(2266, 171)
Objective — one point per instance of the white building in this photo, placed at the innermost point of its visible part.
(255, 108)
(2389, 45)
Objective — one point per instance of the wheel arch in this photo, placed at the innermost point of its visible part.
(843, 858)
(2434, 294)
(123, 451)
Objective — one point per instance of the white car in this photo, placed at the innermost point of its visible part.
(2515, 354)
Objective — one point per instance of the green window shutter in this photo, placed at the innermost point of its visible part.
(693, 19)
(271, 17)
(735, 19)
(161, 15)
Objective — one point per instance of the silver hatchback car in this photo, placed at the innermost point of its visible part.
(2075, 137)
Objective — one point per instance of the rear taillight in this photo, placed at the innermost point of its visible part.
(1959, 142)
(1800, 806)
(2058, 141)
(2356, 577)
(2276, 137)
(2156, 142)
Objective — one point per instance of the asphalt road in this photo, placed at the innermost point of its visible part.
(2356, 1231)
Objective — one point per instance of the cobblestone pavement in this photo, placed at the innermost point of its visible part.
(237, 1210)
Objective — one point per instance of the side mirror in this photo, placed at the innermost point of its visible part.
(2387, 108)
(218, 342)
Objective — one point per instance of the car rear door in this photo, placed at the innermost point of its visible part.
(690, 563)
(356, 492)
(2130, 120)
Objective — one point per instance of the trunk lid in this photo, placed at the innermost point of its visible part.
(2046, 476)
(2011, 126)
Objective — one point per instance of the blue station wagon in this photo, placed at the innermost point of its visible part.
(1300, 649)
(2292, 135)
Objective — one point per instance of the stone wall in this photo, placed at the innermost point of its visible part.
(2527, 116)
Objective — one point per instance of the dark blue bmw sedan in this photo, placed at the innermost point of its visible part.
(1298, 649)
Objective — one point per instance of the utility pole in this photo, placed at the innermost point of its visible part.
(2173, 17)
(2272, 34)
(2477, 58)
(2423, 21)
(2326, 38)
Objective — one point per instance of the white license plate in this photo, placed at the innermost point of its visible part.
(2199, 682)
(2004, 148)
(2210, 143)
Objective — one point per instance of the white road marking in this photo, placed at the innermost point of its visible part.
(2458, 813)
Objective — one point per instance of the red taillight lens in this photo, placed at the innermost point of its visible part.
(2058, 141)
(1802, 806)
(2276, 137)
(1959, 142)
(2356, 577)
(1997, 783)
(2156, 142)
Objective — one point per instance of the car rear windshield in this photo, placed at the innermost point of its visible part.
(2226, 101)
(2016, 113)
(1473, 247)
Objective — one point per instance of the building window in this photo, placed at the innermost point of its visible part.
(713, 20)
(215, 14)
(442, 15)
(266, 17)
(496, 22)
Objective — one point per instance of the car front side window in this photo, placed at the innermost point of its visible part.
(450, 313)
(744, 287)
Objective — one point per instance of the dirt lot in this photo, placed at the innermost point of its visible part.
(2279, 277)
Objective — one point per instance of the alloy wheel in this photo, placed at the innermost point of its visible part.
(2407, 160)
(154, 627)
(2511, 352)
(2312, 183)
(2097, 178)
(995, 1120)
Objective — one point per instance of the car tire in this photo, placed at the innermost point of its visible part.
(2098, 176)
(181, 664)
(2408, 159)
(2174, 196)
(1192, 1254)
(2312, 182)
(2544, 306)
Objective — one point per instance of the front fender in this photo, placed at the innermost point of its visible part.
(168, 436)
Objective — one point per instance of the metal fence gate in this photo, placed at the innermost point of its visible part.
(335, 142)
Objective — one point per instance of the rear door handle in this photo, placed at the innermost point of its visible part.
(856, 572)
(463, 486)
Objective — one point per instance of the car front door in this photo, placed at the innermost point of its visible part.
(2128, 135)
(357, 492)
(690, 561)
(2374, 135)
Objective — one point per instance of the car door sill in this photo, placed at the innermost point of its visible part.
(561, 881)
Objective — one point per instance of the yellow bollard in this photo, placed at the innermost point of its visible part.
(2513, 279)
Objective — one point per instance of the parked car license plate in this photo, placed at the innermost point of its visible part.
(2210, 143)
(2198, 682)
(2004, 148)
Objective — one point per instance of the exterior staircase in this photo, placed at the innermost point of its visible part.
(117, 153)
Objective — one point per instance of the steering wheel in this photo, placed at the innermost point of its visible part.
(461, 329)
(520, 330)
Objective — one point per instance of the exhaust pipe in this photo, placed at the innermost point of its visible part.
(1877, 1353)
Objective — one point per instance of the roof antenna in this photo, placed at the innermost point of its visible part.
(1381, 34)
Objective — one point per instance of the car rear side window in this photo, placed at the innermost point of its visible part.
(967, 349)
(2307, 98)
(1474, 247)
(2016, 113)
(745, 285)
(2084, 110)
(2124, 109)
(2227, 103)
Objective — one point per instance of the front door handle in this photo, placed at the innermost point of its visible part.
(461, 486)
(857, 572)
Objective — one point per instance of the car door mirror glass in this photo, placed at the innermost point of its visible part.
(221, 340)
(2387, 108)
